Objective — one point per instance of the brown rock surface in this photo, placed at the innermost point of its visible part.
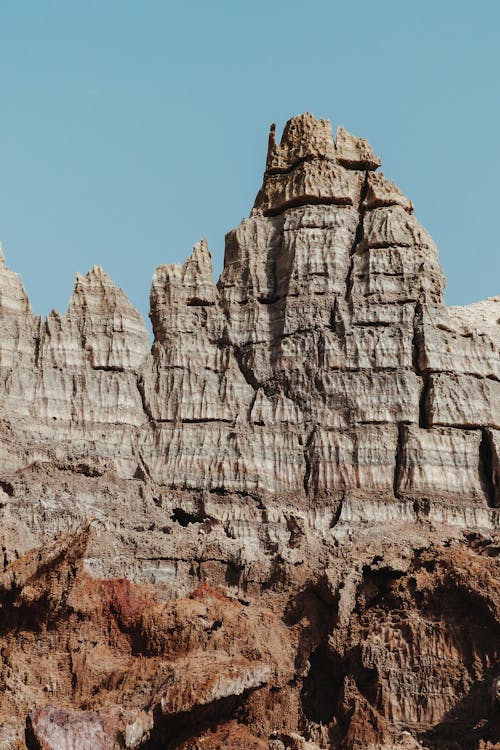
(334, 658)
(279, 527)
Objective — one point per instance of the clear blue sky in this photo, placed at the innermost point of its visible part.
(130, 129)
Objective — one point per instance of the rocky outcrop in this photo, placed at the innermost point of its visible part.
(133, 662)
(326, 329)
(272, 525)
(392, 650)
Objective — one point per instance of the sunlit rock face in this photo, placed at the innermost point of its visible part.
(327, 327)
(316, 435)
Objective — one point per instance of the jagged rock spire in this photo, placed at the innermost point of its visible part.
(304, 137)
(307, 166)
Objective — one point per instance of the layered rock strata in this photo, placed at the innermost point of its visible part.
(313, 435)
(319, 362)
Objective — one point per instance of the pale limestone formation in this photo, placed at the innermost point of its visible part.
(345, 461)
(441, 462)
(448, 341)
(463, 401)
(74, 395)
(19, 325)
(323, 362)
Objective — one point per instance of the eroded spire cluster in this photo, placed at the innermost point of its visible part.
(323, 362)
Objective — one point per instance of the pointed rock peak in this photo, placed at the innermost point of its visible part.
(304, 137)
(201, 258)
(96, 275)
(197, 275)
(97, 292)
(13, 297)
(99, 274)
(94, 285)
(167, 274)
(304, 169)
(3, 264)
(354, 152)
(192, 283)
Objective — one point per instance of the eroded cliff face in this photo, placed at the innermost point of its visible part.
(278, 526)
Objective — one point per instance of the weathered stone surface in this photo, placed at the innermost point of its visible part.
(310, 446)
(353, 152)
(369, 346)
(325, 317)
(340, 661)
(317, 181)
(346, 461)
(448, 341)
(304, 137)
(463, 400)
(367, 396)
(190, 377)
(493, 450)
(253, 459)
(19, 325)
(392, 226)
(75, 392)
(58, 729)
(441, 462)
(382, 192)
(176, 286)
(112, 333)
(395, 274)
(186, 659)
(250, 260)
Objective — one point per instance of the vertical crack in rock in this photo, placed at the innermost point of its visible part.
(144, 400)
(246, 371)
(486, 469)
(417, 324)
(423, 406)
(398, 458)
(308, 458)
(357, 239)
(37, 340)
(338, 512)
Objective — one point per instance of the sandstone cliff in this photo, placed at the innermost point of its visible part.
(315, 435)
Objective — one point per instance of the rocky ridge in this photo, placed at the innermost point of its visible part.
(316, 435)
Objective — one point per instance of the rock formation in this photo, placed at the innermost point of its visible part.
(279, 526)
